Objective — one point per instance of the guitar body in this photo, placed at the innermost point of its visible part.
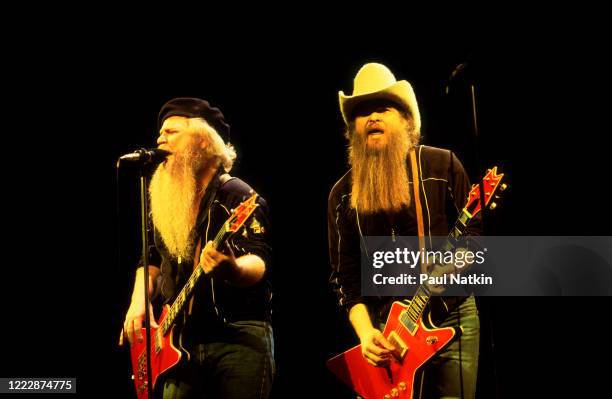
(396, 380)
(164, 356)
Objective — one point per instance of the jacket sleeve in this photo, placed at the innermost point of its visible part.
(344, 253)
(253, 237)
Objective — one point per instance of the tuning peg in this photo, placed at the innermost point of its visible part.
(493, 205)
(503, 187)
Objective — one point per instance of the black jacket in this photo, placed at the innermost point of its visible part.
(443, 192)
(215, 301)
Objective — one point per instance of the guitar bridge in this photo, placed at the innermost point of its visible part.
(400, 346)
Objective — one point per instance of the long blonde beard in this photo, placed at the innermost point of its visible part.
(379, 176)
(174, 191)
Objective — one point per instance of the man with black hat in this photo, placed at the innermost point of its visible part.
(226, 328)
(391, 175)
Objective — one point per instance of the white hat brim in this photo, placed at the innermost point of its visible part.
(400, 92)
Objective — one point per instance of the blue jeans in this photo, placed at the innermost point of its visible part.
(240, 367)
(442, 376)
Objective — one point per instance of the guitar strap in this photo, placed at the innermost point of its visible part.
(211, 193)
(417, 203)
(420, 228)
(196, 263)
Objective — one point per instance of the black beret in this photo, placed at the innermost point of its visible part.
(195, 108)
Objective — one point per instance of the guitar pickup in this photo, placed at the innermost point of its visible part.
(158, 340)
(400, 346)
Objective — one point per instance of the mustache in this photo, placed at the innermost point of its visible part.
(374, 127)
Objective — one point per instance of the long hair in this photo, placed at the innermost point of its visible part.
(223, 153)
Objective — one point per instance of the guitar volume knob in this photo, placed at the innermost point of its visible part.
(402, 386)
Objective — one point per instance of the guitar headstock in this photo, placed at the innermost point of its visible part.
(241, 214)
(493, 187)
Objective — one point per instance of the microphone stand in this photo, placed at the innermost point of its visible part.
(483, 208)
(145, 158)
(144, 211)
(460, 69)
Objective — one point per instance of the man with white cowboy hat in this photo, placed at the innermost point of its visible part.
(391, 176)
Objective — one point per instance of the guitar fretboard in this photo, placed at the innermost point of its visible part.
(185, 294)
(421, 298)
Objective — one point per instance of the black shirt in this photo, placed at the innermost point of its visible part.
(215, 301)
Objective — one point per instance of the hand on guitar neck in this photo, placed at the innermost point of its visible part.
(217, 263)
(242, 272)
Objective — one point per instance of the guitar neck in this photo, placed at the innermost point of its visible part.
(185, 294)
(422, 296)
(460, 225)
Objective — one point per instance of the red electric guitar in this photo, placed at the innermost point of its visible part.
(415, 340)
(164, 354)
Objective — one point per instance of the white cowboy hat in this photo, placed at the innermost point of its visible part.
(376, 81)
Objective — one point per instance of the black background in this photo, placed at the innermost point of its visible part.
(81, 99)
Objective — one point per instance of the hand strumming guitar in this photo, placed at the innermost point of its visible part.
(375, 348)
(135, 316)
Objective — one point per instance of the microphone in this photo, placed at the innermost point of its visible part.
(458, 70)
(144, 156)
